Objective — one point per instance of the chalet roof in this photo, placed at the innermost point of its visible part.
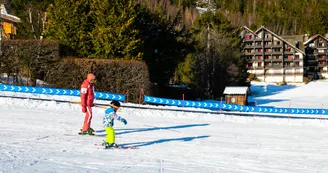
(314, 37)
(245, 27)
(235, 90)
(4, 15)
(280, 38)
(295, 38)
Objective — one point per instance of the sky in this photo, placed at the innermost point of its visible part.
(41, 136)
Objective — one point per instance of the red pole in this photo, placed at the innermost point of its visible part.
(255, 104)
(182, 101)
(141, 95)
(221, 105)
(127, 96)
(321, 113)
(289, 109)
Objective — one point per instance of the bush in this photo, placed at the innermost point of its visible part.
(115, 76)
(27, 58)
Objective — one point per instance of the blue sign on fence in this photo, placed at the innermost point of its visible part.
(57, 91)
(230, 107)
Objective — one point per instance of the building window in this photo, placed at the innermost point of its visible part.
(259, 57)
(276, 64)
(321, 51)
(311, 45)
(267, 43)
(276, 50)
(276, 57)
(248, 37)
(297, 63)
(322, 63)
(297, 56)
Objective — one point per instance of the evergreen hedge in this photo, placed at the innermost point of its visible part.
(114, 76)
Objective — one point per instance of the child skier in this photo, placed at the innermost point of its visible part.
(108, 123)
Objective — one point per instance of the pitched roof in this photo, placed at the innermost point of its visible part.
(314, 37)
(4, 15)
(245, 27)
(280, 38)
(235, 90)
(295, 38)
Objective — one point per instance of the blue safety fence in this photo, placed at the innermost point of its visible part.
(231, 107)
(57, 91)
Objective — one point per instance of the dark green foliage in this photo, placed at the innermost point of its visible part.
(217, 61)
(31, 13)
(70, 22)
(94, 28)
(28, 58)
(163, 46)
(113, 34)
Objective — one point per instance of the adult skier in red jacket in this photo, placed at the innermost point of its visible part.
(87, 98)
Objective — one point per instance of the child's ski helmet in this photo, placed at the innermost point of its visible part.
(115, 103)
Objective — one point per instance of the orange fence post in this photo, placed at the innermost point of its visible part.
(141, 96)
(221, 105)
(289, 109)
(182, 101)
(127, 96)
(321, 112)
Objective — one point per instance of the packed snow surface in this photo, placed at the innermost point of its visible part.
(41, 136)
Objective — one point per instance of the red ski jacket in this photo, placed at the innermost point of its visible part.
(87, 91)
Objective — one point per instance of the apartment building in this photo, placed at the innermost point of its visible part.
(272, 58)
(316, 49)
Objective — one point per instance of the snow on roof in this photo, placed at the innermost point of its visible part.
(313, 37)
(4, 14)
(235, 90)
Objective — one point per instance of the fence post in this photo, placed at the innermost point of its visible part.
(289, 109)
(127, 96)
(221, 105)
(141, 96)
(182, 101)
(321, 112)
(255, 105)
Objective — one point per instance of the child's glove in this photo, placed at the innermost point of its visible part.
(124, 121)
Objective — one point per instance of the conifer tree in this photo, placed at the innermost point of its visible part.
(114, 33)
(70, 22)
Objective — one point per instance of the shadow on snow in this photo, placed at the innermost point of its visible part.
(151, 128)
(143, 144)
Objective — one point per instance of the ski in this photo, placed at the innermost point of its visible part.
(90, 132)
(119, 147)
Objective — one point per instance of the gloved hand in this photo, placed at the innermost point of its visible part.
(84, 109)
(124, 121)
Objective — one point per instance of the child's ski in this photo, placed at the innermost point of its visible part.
(119, 147)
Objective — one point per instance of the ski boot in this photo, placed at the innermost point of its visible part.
(108, 145)
(88, 132)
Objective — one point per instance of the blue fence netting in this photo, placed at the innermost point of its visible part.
(213, 105)
(58, 91)
(231, 107)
